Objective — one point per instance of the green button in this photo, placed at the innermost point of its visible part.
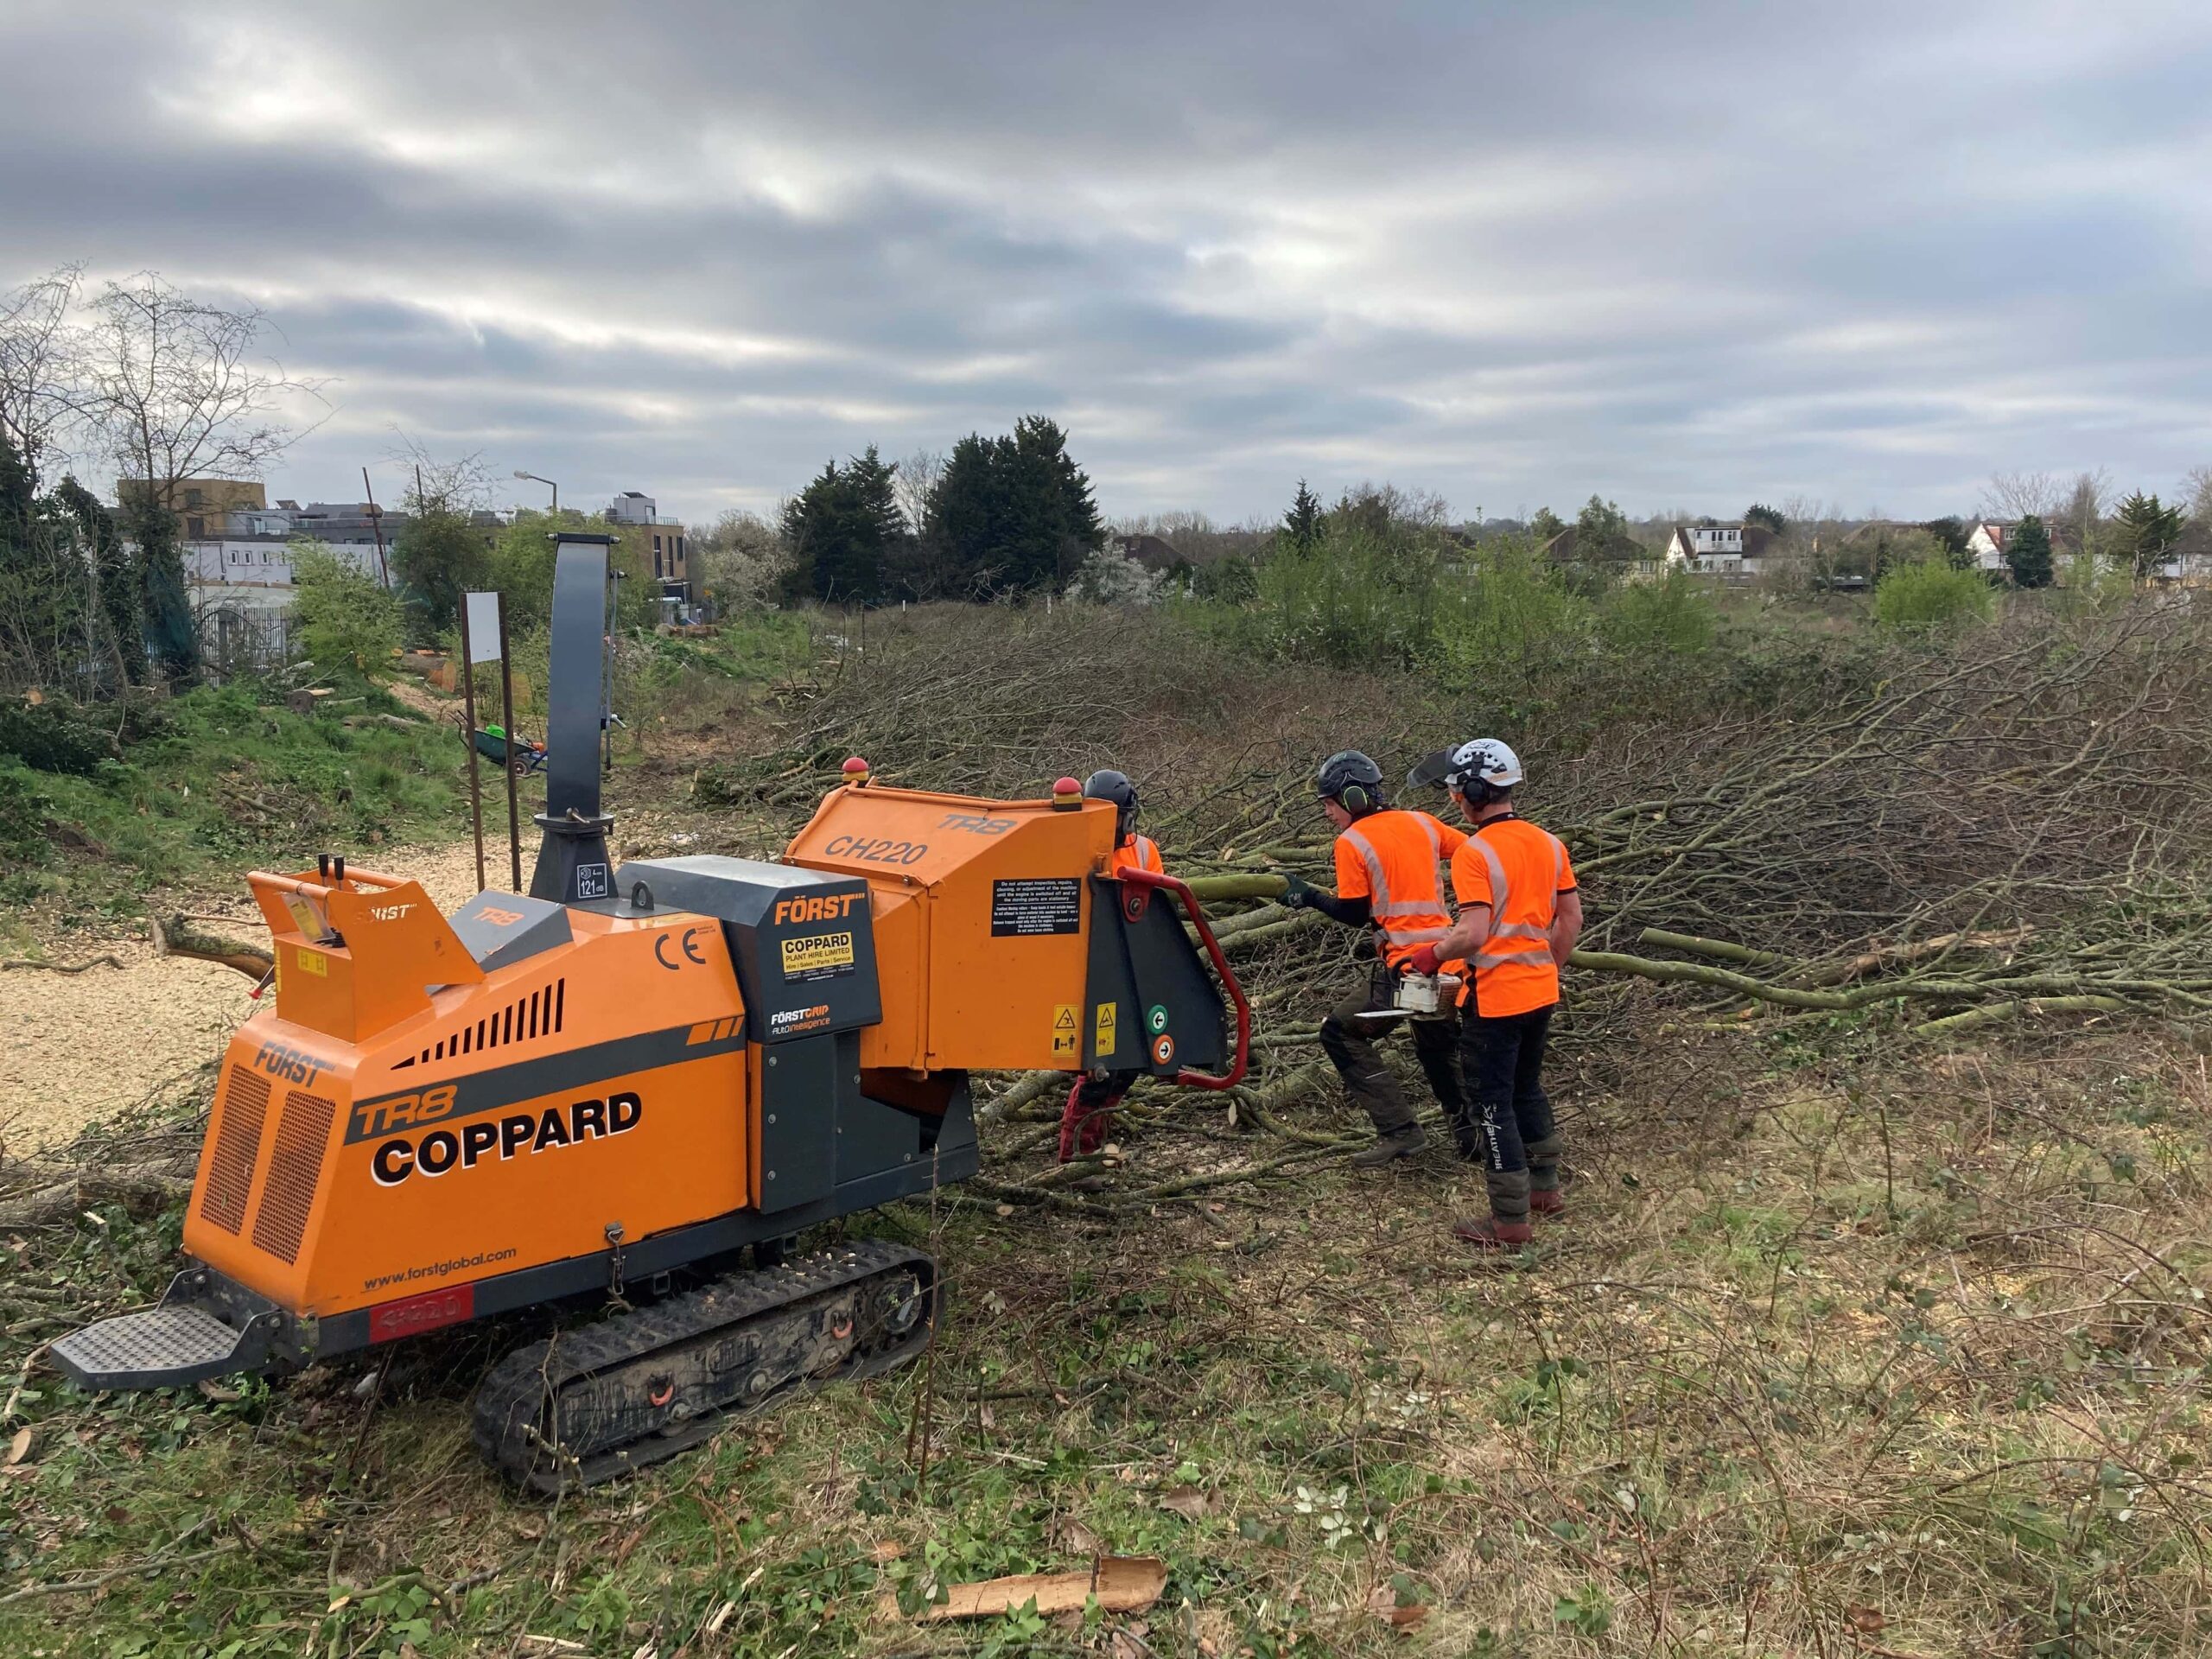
(1155, 1018)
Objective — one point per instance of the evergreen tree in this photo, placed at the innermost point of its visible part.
(2144, 531)
(1301, 525)
(2027, 553)
(1015, 514)
(969, 520)
(439, 555)
(1545, 525)
(156, 579)
(1951, 534)
(102, 541)
(1759, 513)
(844, 530)
(1055, 521)
(1601, 531)
(16, 490)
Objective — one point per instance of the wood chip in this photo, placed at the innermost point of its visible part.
(1124, 1584)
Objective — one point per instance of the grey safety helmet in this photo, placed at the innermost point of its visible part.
(1106, 785)
(1351, 780)
(1481, 769)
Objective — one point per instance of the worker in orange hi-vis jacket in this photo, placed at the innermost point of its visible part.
(1091, 1101)
(1389, 878)
(1520, 914)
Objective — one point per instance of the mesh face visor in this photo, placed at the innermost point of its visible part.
(1435, 772)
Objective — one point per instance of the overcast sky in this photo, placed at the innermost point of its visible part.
(1686, 255)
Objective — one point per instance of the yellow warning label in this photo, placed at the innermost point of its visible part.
(1107, 1012)
(1064, 1029)
(311, 961)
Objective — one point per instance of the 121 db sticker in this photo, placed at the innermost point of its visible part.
(817, 955)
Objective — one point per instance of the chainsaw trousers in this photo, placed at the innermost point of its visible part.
(1352, 1049)
(1502, 1060)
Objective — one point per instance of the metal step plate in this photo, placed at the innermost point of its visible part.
(169, 1347)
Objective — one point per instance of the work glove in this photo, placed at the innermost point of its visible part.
(1297, 893)
(1423, 961)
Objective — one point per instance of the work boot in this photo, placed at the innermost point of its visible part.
(1387, 1148)
(1546, 1201)
(1490, 1234)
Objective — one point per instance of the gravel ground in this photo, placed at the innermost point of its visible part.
(77, 1047)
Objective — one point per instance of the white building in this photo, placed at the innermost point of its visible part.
(1736, 551)
(253, 572)
(1986, 542)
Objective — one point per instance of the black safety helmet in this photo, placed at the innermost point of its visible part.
(1351, 780)
(1106, 785)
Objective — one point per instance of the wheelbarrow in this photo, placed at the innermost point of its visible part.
(519, 752)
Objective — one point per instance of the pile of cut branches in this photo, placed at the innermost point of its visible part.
(2013, 830)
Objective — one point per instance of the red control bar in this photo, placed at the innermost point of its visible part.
(1186, 1078)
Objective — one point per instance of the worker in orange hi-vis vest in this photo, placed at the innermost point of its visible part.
(1388, 877)
(1520, 914)
(1091, 1101)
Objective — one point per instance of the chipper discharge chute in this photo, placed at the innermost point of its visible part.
(613, 1088)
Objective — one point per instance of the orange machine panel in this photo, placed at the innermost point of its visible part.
(598, 1084)
(358, 952)
(1001, 919)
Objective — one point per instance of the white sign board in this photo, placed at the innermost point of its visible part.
(483, 627)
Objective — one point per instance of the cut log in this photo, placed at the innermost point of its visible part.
(179, 937)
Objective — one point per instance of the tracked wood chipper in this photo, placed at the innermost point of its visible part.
(641, 1085)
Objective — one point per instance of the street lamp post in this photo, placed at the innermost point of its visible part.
(534, 479)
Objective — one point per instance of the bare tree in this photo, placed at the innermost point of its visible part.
(740, 559)
(39, 366)
(2014, 496)
(174, 388)
(2084, 506)
(2196, 487)
(913, 482)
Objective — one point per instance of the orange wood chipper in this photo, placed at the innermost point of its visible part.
(640, 1084)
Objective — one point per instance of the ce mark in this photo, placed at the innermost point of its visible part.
(687, 944)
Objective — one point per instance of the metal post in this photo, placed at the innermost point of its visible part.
(507, 716)
(607, 676)
(469, 736)
(376, 524)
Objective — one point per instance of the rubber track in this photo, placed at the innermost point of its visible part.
(510, 1400)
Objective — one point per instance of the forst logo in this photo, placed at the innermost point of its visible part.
(390, 912)
(825, 907)
(516, 1135)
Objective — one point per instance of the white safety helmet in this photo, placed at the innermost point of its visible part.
(1480, 761)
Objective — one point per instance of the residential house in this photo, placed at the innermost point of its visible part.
(1735, 552)
(1986, 541)
(2188, 563)
(669, 542)
(203, 506)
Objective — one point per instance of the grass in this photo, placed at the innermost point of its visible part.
(216, 779)
(1846, 1347)
(1769, 1390)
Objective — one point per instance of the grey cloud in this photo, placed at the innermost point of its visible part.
(1514, 253)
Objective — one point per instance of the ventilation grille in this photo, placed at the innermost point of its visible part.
(303, 1135)
(237, 1145)
(523, 1019)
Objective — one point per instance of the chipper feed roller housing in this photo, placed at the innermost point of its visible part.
(633, 1082)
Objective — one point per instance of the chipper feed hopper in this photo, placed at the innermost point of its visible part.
(617, 1087)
